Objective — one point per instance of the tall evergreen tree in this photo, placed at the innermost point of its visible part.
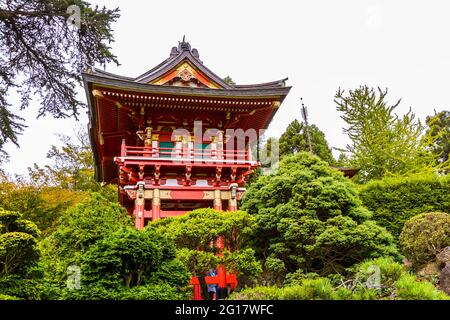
(295, 140)
(44, 47)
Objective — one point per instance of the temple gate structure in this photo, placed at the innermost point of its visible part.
(177, 138)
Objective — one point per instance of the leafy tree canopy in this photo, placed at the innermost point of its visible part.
(72, 167)
(80, 227)
(439, 130)
(381, 142)
(86, 223)
(228, 80)
(41, 204)
(130, 257)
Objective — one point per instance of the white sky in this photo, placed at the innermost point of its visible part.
(320, 45)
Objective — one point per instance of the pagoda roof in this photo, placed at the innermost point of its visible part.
(179, 55)
(250, 91)
(180, 88)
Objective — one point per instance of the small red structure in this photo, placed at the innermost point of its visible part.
(177, 137)
(347, 171)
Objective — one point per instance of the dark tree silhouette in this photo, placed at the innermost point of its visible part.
(44, 47)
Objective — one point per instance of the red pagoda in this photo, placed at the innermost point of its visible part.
(177, 137)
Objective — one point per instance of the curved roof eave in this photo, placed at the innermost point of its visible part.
(255, 91)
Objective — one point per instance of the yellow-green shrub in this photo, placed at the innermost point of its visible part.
(424, 236)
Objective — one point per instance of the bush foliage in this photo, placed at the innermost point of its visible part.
(131, 264)
(310, 217)
(18, 244)
(116, 261)
(395, 283)
(395, 200)
(195, 236)
(424, 236)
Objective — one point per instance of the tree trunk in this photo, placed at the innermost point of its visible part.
(204, 288)
(128, 279)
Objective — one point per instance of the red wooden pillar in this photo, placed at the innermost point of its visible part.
(222, 290)
(156, 205)
(221, 269)
(139, 213)
(197, 290)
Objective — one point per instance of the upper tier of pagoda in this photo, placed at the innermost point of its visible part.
(175, 93)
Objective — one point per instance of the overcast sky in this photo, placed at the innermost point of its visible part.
(319, 45)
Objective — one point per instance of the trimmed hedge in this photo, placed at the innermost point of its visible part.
(395, 200)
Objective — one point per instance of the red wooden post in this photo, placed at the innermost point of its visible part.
(197, 291)
(139, 213)
(222, 291)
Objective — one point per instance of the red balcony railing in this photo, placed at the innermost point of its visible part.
(186, 154)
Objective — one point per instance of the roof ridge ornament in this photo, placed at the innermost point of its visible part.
(184, 45)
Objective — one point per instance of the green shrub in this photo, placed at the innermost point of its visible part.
(133, 258)
(395, 200)
(257, 293)
(395, 284)
(374, 279)
(424, 236)
(145, 292)
(131, 264)
(389, 270)
(194, 232)
(16, 286)
(297, 277)
(18, 244)
(408, 288)
(79, 228)
(310, 289)
(310, 218)
(7, 297)
(161, 291)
